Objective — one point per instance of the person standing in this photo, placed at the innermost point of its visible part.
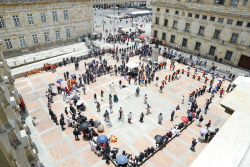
(198, 113)
(194, 142)
(141, 117)
(84, 89)
(115, 98)
(76, 133)
(160, 118)
(102, 95)
(62, 123)
(206, 108)
(172, 116)
(95, 99)
(208, 124)
(148, 109)
(145, 99)
(129, 117)
(200, 121)
(120, 84)
(120, 113)
(98, 107)
(110, 106)
(221, 92)
(182, 100)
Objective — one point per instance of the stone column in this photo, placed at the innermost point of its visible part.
(155, 54)
(5, 67)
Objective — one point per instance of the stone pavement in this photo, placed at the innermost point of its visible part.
(59, 148)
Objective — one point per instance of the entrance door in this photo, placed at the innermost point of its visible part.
(244, 62)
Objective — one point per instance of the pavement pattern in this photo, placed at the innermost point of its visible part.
(58, 148)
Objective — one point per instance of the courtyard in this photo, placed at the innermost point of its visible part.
(59, 148)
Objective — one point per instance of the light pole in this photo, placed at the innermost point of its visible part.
(103, 14)
(237, 51)
(114, 7)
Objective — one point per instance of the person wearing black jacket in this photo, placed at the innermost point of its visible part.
(200, 120)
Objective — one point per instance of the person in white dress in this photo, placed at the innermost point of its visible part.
(113, 86)
(110, 88)
(67, 120)
(68, 100)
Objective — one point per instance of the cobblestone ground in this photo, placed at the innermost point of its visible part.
(59, 148)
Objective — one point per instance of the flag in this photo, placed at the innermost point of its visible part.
(125, 77)
(177, 108)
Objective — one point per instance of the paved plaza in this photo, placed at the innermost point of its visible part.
(59, 148)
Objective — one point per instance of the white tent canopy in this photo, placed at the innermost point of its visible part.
(132, 65)
(239, 79)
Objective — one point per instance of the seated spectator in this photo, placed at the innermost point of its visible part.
(169, 134)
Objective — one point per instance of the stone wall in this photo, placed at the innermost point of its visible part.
(15, 148)
(179, 11)
(79, 22)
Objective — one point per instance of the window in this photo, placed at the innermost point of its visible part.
(175, 24)
(16, 20)
(248, 24)
(68, 33)
(43, 17)
(239, 23)
(58, 35)
(163, 36)
(219, 2)
(234, 38)
(245, 3)
(166, 22)
(212, 19)
(66, 15)
(228, 55)
(158, 9)
(156, 20)
(233, 2)
(172, 38)
(8, 44)
(187, 28)
(229, 21)
(167, 10)
(204, 17)
(184, 42)
(212, 50)
(35, 39)
(197, 16)
(217, 34)
(201, 31)
(221, 20)
(176, 12)
(155, 33)
(54, 14)
(2, 23)
(22, 42)
(46, 36)
(30, 19)
(197, 46)
(190, 14)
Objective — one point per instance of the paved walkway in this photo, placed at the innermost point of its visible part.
(57, 148)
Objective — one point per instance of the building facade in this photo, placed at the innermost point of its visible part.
(214, 28)
(15, 144)
(138, 3)
(110, 3)
(27, 26)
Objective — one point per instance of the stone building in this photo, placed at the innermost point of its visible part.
(214, 28)
(110, 3)
(35, 25)
(15, 144)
